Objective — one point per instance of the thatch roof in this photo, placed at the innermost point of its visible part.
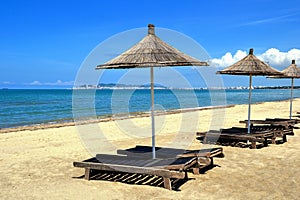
(292, 71)
(151, 51)
(249, 65)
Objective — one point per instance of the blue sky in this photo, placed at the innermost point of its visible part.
(44, 43)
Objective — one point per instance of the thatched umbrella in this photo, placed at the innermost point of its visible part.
(292, 72)
(252, 66)
(151, 52)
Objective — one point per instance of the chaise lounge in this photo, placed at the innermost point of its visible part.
(169, 164)
(236, 134)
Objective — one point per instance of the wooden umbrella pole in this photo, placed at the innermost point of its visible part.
(249, 106)
(291, 100)
(152, 111)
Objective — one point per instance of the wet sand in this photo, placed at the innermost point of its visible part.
(37, 164)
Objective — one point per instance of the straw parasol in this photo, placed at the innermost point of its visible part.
(151, 52)
(251, 66)
(292, 72)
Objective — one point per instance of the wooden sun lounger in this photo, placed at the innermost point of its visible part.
(278, 131)
(239, 134)
(276, 121)
(164, 152)
(291, 123)
(165, 168)
(285, 125)
(274, 130)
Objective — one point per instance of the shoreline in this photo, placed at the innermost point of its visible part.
(115, 117)
(106, 119)
(65, 117)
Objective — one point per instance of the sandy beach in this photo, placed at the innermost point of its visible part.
(38, 164)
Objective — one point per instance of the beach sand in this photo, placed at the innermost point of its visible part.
(38, 164)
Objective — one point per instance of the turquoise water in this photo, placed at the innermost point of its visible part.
(32, 107)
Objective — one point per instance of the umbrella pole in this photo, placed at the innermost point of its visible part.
(249, 106)
(152, 111)
(291, 100)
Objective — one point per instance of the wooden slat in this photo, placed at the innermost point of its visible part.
(239, 134)
(123, 160)
(217, 152)
(236, 137)
(163, 152)
(182, 166)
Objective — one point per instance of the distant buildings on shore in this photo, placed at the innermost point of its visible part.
(112, 86)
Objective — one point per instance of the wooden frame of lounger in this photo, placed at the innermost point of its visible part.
(278, 131)
(270, 132)
(286, 126)
(276, 121)
(239, 134)
(290, 124)
(178, 171)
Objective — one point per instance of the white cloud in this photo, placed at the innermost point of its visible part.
(279, 59)
(57, 83)
(272, 56)
(228, 59)
(35, 83)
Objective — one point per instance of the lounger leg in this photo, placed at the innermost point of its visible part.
(253, 144)
(186, 175)
(211, 161)
(274, 140)
(196, 171)
(205, 140)
(167, 183)
(265, 142)
(284, 138)
(87, 173)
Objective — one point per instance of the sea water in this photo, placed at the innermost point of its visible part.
(38, 106)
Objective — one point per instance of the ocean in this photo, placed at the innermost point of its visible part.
(26, 107)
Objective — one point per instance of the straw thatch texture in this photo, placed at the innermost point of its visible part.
(250, 65)
(151, 51)
(292, 71)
